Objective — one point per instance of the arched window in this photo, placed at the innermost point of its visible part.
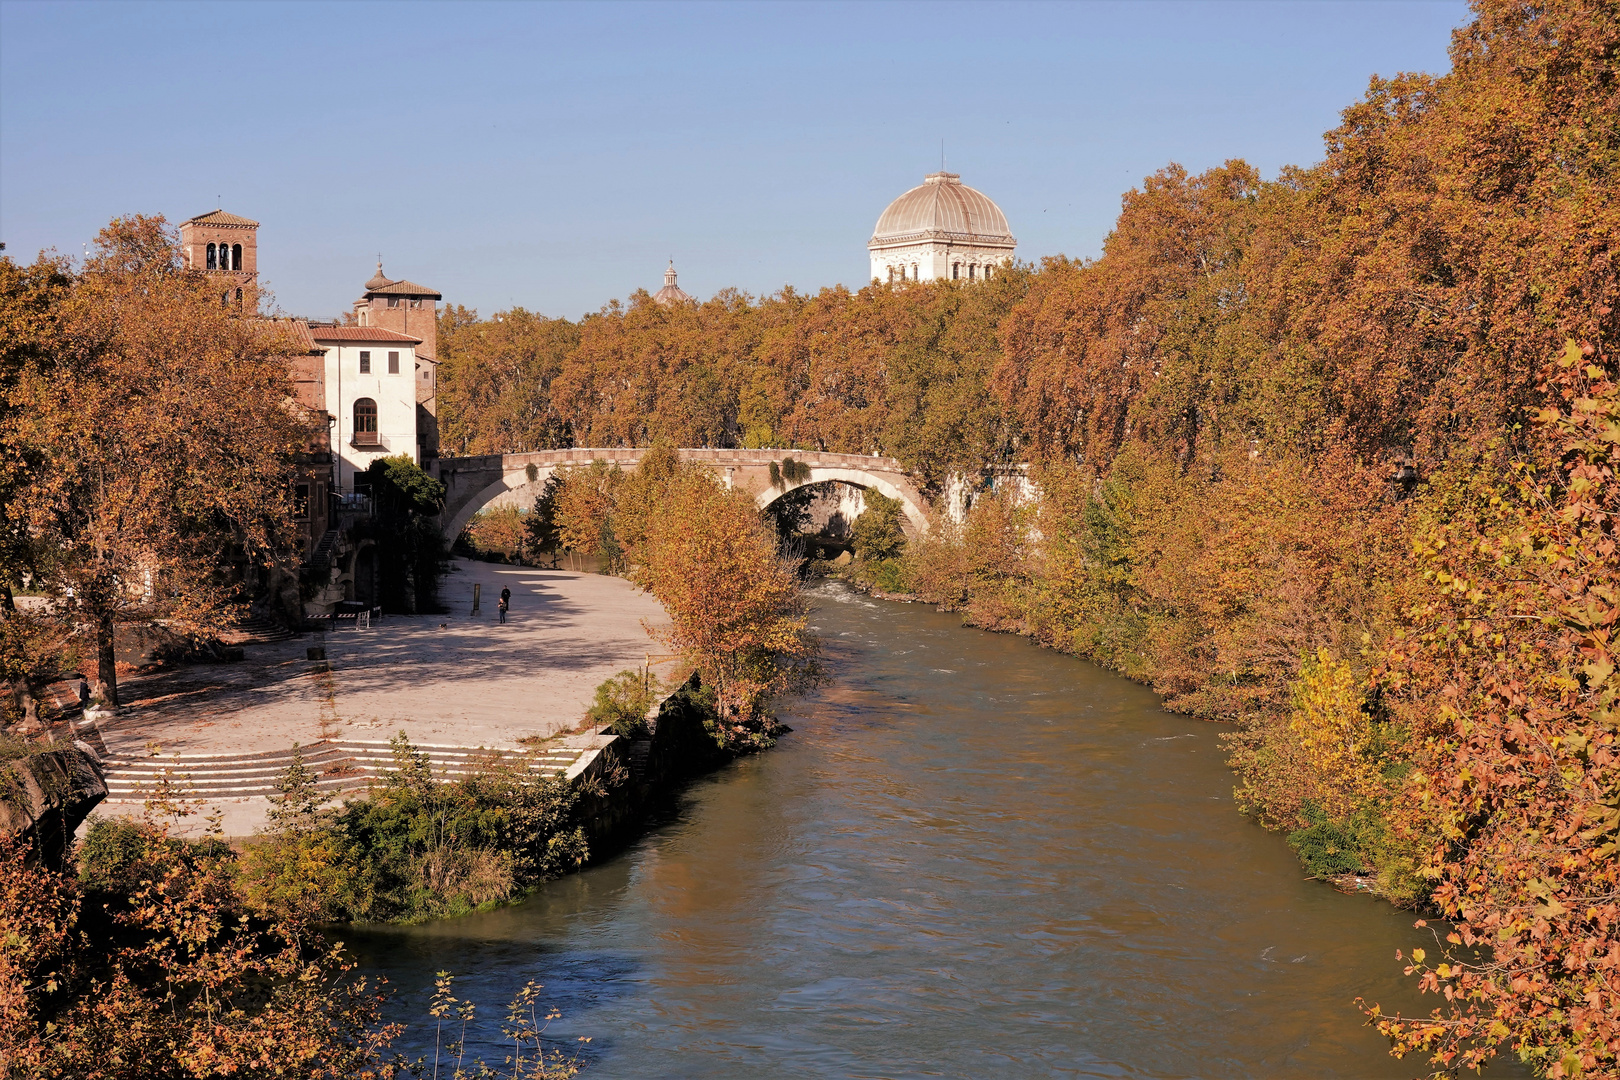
(956, 271)
(365, 421)
(970, 271)
(211, 257)
(236, 256)
(914, 276)
(238, 296)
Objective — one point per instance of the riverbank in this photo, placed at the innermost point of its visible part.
(452, 682)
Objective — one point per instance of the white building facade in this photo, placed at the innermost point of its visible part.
(370, 383)
(940, 229)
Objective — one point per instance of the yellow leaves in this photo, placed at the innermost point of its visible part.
(1332, 728)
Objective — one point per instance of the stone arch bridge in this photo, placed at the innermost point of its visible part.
(472, 482)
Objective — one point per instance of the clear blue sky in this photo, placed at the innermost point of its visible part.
(555, 156)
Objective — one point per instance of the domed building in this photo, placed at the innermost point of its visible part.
(942, 229)
(671, 293)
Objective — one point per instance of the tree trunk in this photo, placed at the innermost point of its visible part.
(106, 662)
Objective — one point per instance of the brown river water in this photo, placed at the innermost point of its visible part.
(972, 858)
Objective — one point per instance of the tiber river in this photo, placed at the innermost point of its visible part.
(972, 858)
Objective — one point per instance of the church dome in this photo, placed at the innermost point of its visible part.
(671, 293)
(942, 208)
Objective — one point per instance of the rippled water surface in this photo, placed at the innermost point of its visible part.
(972, 858)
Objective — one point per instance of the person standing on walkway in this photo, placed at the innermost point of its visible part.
(506, 602)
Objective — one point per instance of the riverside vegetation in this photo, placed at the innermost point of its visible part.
(157, 956)
(153, 956)
(1330, 457)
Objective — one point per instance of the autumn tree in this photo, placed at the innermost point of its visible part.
(158, 435)
(735, 610)
(495, 381)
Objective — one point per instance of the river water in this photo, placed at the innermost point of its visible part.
(972, 858)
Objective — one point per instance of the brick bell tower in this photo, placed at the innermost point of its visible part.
(226, 248)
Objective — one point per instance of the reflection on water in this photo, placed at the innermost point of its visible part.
(972, 858)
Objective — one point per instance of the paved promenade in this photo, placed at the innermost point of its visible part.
(455, 679)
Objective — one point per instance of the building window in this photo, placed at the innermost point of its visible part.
(393, 301)
(301, 502)
(211, 256)
(956, 271)
(365, 422)
(416, 303)
(914, 276)
(365, 362)
(393, 363)
(970, 271)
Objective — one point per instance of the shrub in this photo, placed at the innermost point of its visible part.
(1327, 848)
(415, 848)
(877, 533)
(623, 701)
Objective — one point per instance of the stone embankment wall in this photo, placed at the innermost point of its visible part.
(623, 777)
(45, 797)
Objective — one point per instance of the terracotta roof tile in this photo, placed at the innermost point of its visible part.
(358, 333)
(402, 288)
(219, 217)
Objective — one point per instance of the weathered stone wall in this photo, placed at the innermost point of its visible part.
(626, 778)
(45, 797)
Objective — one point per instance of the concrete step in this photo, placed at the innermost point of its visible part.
(339, 766)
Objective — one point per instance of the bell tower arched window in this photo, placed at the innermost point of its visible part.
(365, 421)
(212, 264)
(236, 256)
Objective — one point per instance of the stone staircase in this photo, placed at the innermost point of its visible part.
(340, 765)
(640, 751)
(258, 630)
(321, 559)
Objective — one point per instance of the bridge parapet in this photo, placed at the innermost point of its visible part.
(471, 482)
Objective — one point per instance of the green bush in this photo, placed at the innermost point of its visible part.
(117, 852)
(1327, 848)
(623, 701)
(877, 532)
(415, 848)
(887, 575)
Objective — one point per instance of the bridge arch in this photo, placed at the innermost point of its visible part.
(915, 519)
(471, 483)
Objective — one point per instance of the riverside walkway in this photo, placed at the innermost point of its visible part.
(461, 686)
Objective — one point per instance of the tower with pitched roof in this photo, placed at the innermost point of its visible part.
(226, 248)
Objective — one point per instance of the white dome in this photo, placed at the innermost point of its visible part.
(942, 208)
